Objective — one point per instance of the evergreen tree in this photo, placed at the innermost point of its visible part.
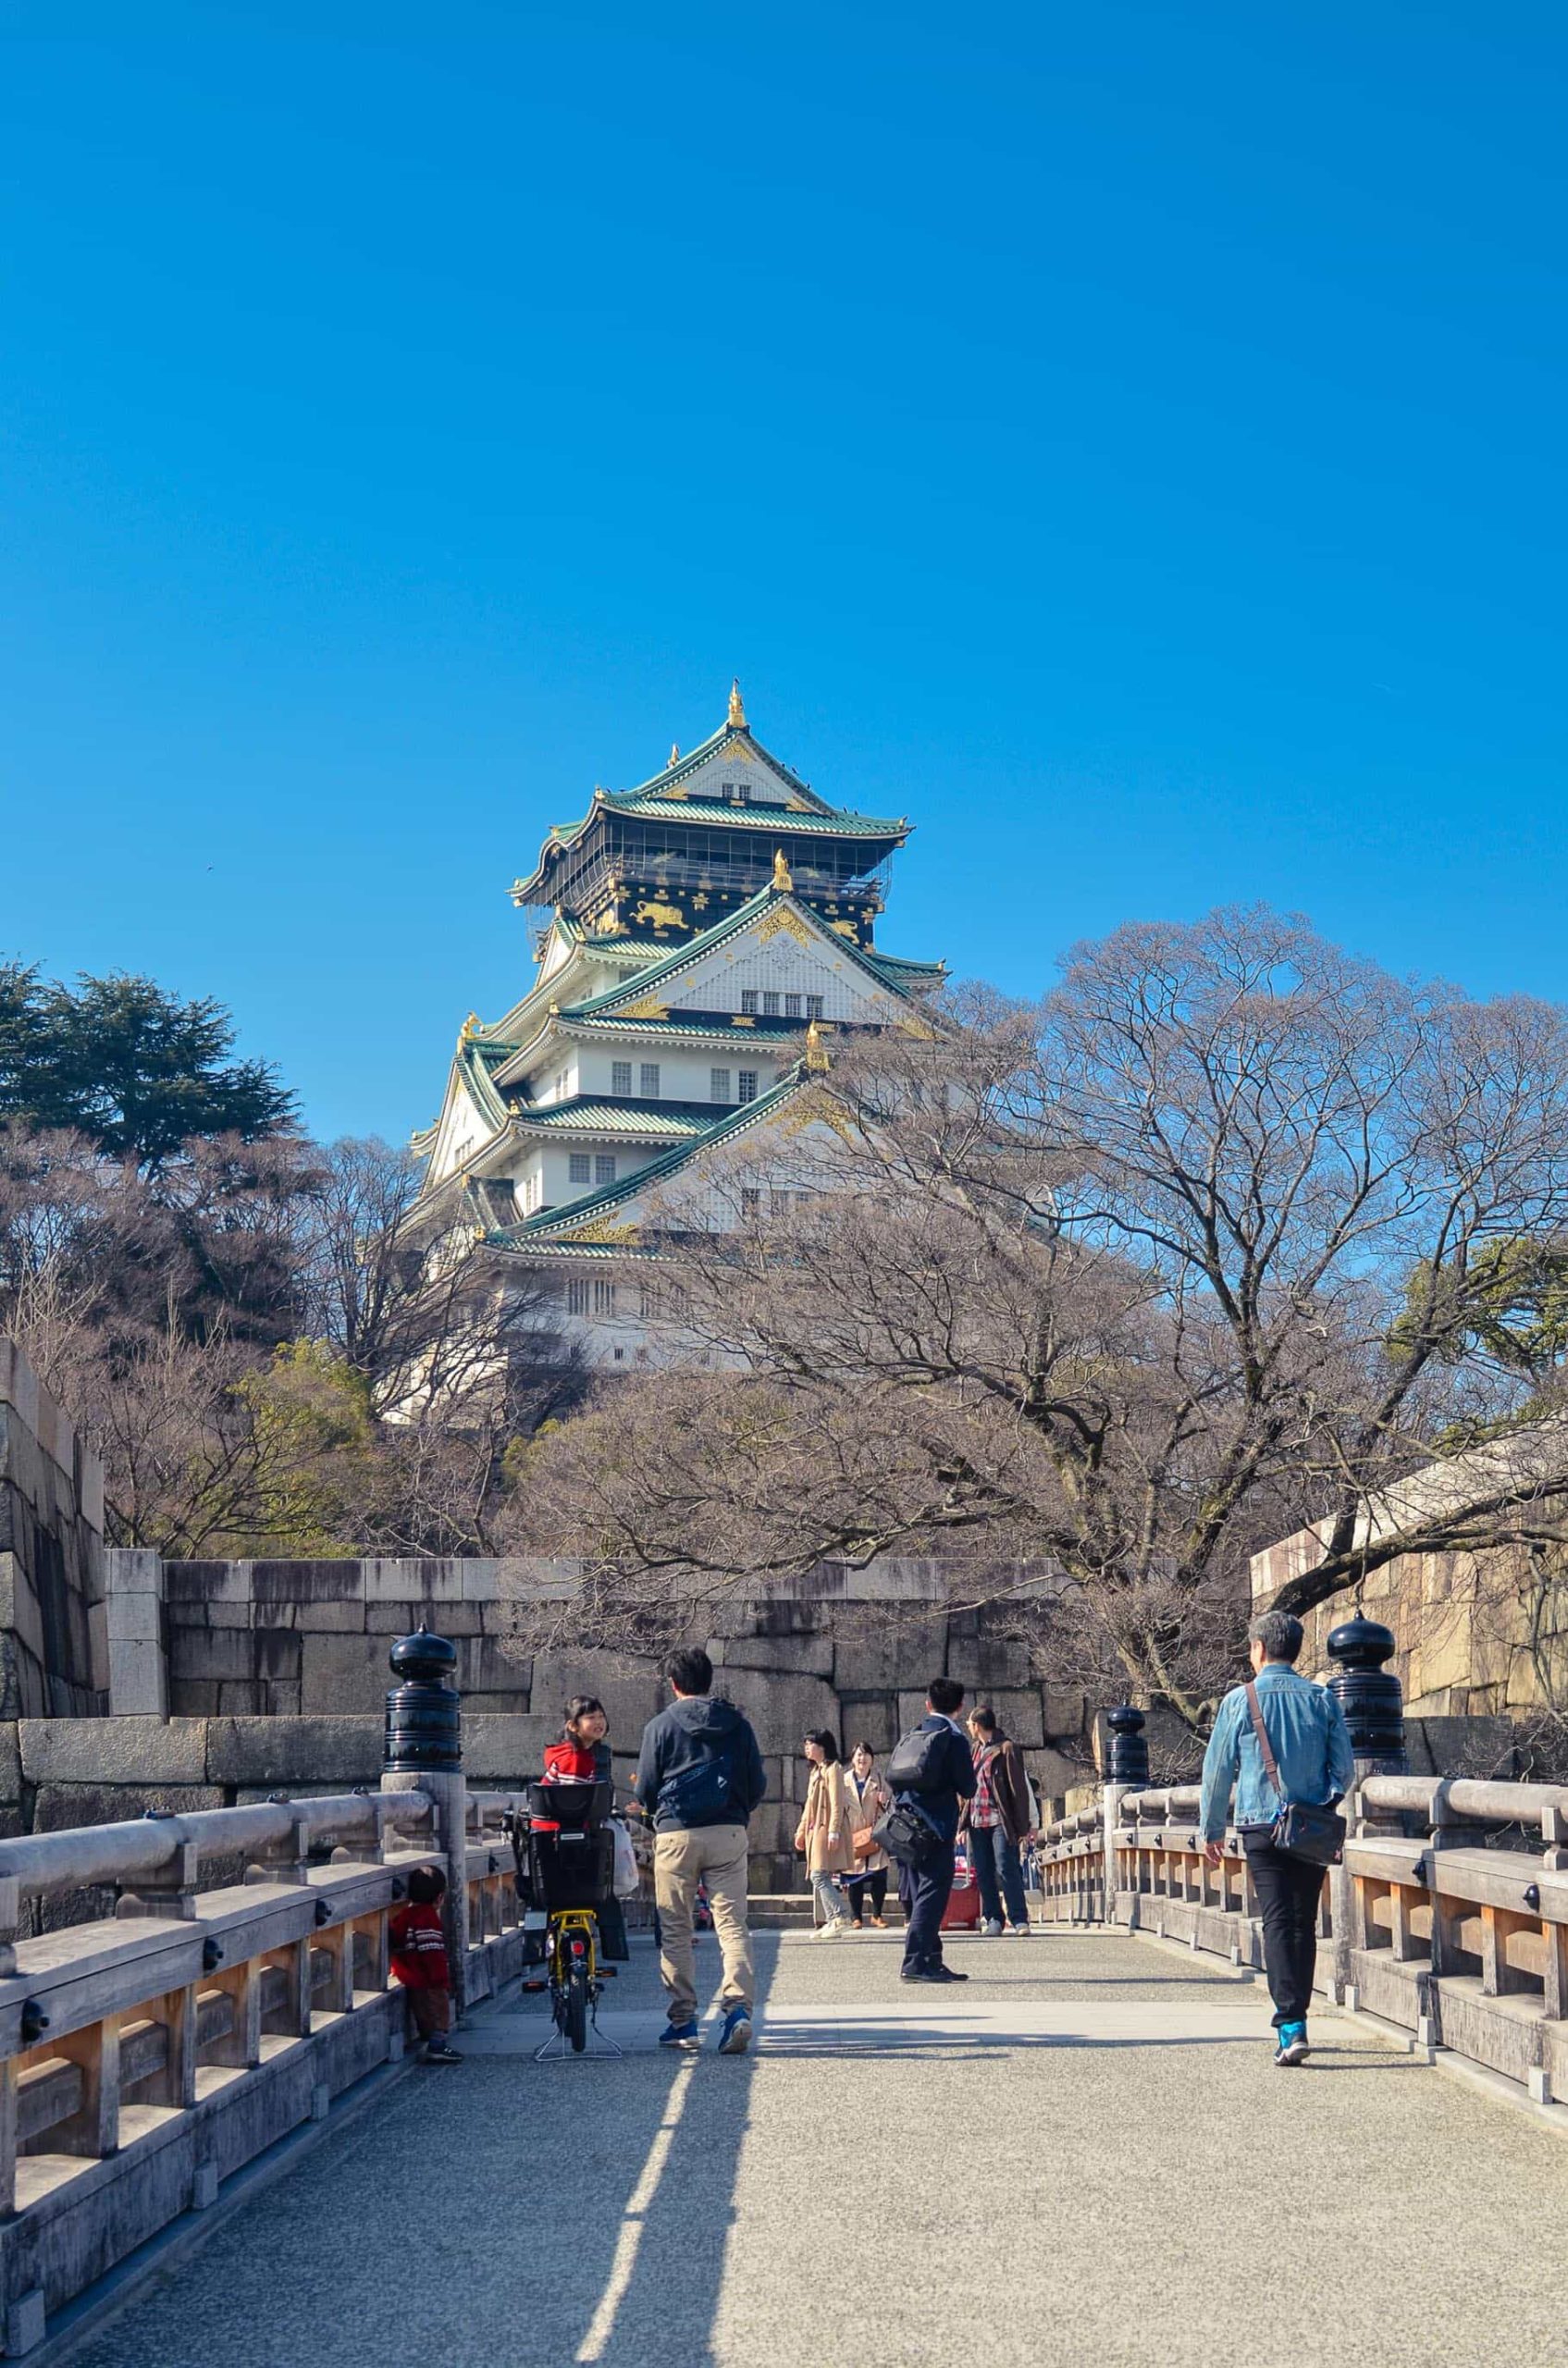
(128, 1065)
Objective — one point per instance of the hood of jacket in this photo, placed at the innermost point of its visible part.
(705, 1715)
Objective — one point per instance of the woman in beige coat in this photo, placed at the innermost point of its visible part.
(824, 1833)
(870, 1801)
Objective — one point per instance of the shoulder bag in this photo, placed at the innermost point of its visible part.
(1303, 1830)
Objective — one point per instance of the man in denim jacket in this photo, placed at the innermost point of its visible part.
(1311, 1751)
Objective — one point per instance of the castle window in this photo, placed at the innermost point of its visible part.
(604, 1299)
(792, 1006)
(813, 1006)
(749, 999)
(579, 1167)
(778, 1203)
(604, 1167)
(718, 1085)
(750, 1202)
(649, 1081)
(769, 1007)
(577, 1295)
(746, 1086)
(648, 1302)
(620, 1077)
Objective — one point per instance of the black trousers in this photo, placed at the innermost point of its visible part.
(860, 1889)
(930, 1886)
(1289, 1891)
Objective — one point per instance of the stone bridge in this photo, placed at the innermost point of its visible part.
(213, 2143)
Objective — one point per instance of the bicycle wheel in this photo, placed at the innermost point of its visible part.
(576, 2018)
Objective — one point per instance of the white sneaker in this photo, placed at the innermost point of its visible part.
(991, 1930)
(827, 1932)
(1020, 1931)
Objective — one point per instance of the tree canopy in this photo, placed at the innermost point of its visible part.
(138, 1070)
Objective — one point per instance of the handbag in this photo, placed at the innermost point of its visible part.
(863, 1841)
(907, 1835)
(1302, 1830)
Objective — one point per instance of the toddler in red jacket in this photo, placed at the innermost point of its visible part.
(419, 1962)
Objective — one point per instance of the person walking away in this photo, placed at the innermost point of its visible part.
(583, 1756)
(700, 1777)
(870, 1801)
(946, 1781)
(997, 1821)
(825, 1830)
(418, 1959)
(1311, 1748)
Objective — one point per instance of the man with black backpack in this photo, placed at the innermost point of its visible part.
(700, 1777)
(932, 1774)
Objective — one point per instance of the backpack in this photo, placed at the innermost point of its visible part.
(701, 1794)
(916, 1765)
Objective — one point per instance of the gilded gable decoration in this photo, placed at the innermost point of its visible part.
(782, 918)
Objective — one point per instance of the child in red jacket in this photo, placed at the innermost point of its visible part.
(419, 1962)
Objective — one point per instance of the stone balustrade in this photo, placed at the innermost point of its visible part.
(1436, 1922)
(241, 1984)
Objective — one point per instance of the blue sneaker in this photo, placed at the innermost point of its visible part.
(680, 2035)
(1292, 2047)
(736, 2036)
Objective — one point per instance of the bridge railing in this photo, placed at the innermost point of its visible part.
(240, 1984)
(1436, 1922)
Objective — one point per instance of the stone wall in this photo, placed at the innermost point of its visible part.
(305, 1644)
(1479, 1635)
(53, 1633)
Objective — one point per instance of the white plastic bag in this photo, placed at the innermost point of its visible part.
(627, 1878)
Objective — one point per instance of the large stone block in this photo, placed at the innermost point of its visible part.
(137, 1679)
(344, 1674)
(114, 1751)
(500, 1665)
(1067, 1710)
(280, 1752)
(782, 1710)
(1054, 1774)
(57, 1806)
(211, 1653)
(317, 1582)
(803, 1654)
(505, 1750)
(10, 1762)
(1018, 1708)
(981, 1663)
(901, 1655)
(428, 1579)
(629, 1689)
(868, 1717)
(206, 1583)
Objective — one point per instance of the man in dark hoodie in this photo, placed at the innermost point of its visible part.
(699, 1777)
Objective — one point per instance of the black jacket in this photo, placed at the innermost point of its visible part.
(698, 1727)
(954, 1773)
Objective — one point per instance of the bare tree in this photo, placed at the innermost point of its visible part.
(1195, 1253)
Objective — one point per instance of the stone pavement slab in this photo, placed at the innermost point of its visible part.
(1084, 2154)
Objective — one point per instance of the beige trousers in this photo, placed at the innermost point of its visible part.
(714, 1854)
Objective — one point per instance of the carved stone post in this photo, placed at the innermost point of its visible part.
(1373, 1702)
(424, 1754)
(1127, 1770)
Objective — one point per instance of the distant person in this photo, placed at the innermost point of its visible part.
(998, 1822)
(868, 1884)
(700, 1776)
(933, 1769)
(418, 1953)
(1311, 1749)
(825, 1831)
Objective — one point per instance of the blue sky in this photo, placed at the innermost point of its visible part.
(1127, 439)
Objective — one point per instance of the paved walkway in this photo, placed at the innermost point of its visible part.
(1084, 2154)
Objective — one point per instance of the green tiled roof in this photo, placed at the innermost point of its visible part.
(590, 1113)
(736, 736)
(706, 1032)
(571, 1213)
(833, 824)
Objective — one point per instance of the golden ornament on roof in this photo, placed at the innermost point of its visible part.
(816, 1051)
(674, 753)
(738, 710)
(783, 884)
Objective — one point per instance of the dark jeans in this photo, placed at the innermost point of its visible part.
(857, 1889)
(997, 1864)
(1289, 1891)
(930, 1886)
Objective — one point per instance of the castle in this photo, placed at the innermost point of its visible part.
(710, 933)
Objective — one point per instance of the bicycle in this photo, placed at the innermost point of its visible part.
(569, 1860)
